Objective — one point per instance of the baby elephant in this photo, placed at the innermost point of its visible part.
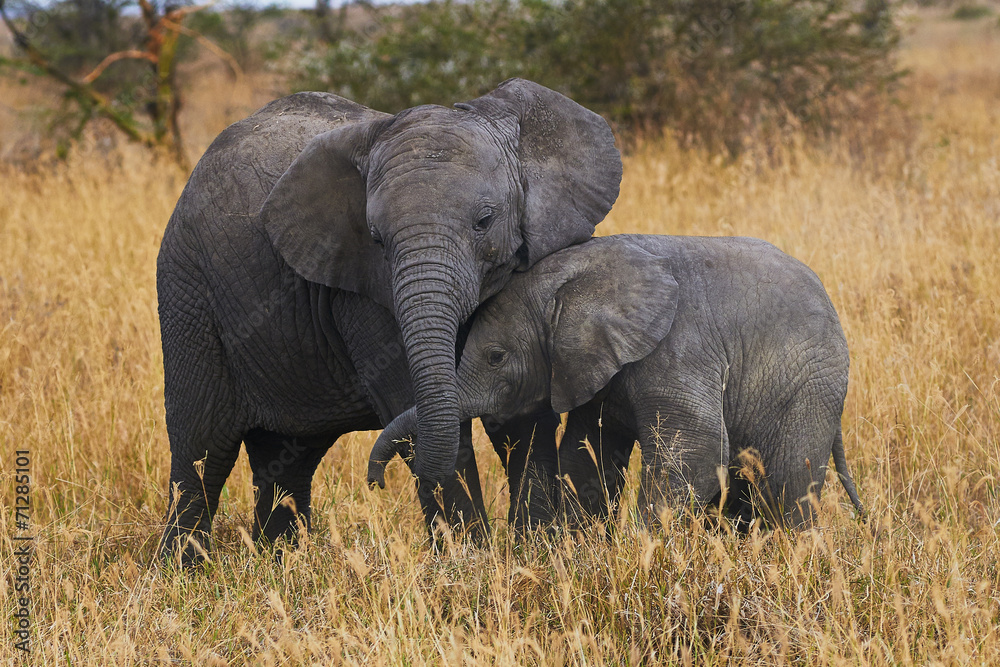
(723, 357)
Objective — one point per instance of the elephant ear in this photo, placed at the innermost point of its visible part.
(571, 169)
(316, 213)
(615, 307)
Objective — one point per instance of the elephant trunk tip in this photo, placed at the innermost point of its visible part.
(386, 447)
(376, 474)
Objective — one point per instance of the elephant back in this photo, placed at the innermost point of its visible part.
(241, 166)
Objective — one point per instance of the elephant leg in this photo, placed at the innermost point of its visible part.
(203, 430)
(459, 502)
(527, 448)
(757, 489)
(283, 468)
(683, 448)
(794, 458)
(593, 458)
(748, 496)
(195, 486)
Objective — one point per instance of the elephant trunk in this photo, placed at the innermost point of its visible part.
(429, 308)
(391, 442)
(395, 438)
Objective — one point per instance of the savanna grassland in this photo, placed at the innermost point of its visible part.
(899, 216)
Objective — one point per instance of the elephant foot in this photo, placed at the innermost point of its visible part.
(281, 516)
(451, 516)
(184, 547)
(535, 501)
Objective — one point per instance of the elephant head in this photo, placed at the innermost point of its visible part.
(556, 336)
(428, 212)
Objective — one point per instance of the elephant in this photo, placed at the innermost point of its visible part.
(318, 272)
(723, 357)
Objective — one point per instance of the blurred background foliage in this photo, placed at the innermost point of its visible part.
(115, 60)
(719, 73)
(77, 34)
(715, 71)
(73, 37)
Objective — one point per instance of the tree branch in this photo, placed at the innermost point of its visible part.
(133, 54)
(83, 90)
(208, 44)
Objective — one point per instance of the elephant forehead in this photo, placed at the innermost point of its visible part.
(447, 189)
(507, 307)
(445, 137)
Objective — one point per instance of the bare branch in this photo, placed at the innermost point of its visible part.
(208, 44)
(133, 54)
(148, 13)
(180, 12)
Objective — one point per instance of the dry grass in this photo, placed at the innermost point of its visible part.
(907, 247)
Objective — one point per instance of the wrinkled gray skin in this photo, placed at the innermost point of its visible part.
(700, 349)
(317, 271)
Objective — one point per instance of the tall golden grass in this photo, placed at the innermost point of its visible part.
(905, 234)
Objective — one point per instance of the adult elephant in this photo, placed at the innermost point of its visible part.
(319, 238)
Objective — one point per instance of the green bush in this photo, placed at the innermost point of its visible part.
(713, 70)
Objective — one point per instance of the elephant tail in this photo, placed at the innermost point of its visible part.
(394, 439)
(840, 462)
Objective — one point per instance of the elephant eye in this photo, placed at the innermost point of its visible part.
(495, 357)
(485, 220)
(376, 236)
